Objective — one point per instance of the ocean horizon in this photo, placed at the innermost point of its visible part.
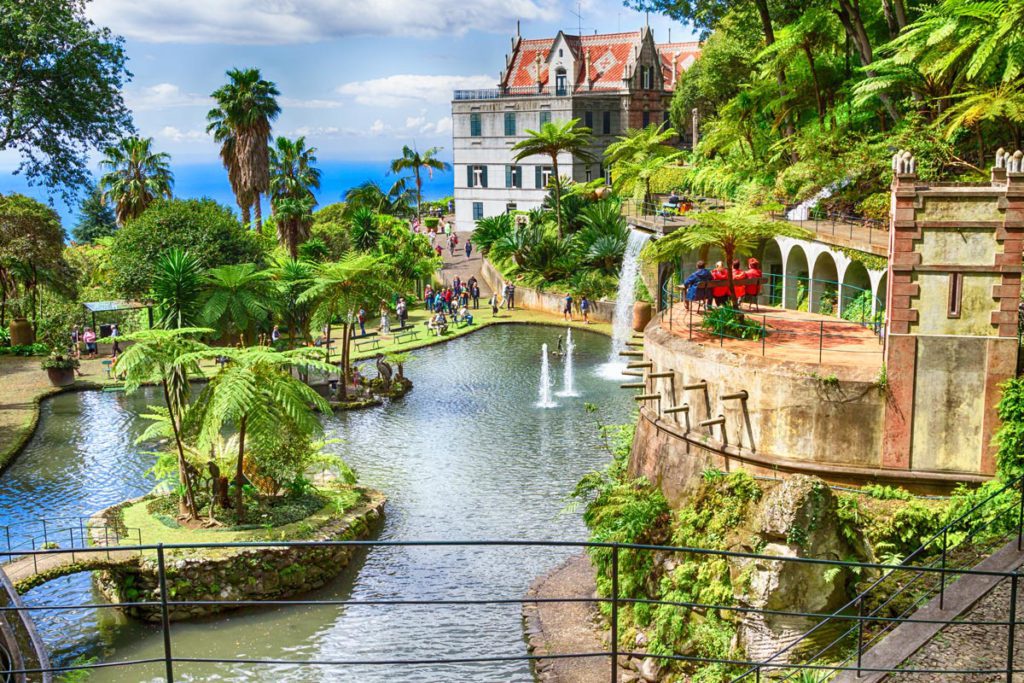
(195, 181)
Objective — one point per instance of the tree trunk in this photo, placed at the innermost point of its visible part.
(246, 216)
(187, 504)
(850, 17)
(558, 195)
(239, 473)
(900, 10)
(814, 79)
(258, 210)
(341, 395)
(769, 39)
(419, 193)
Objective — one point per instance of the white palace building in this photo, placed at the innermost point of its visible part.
(610, 82)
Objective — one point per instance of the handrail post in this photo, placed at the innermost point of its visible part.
(1020, 518)
(35, 564)
(615, 613)
(106, 542)
(860, 632)
(165, 620)
(46, 539)
(942, 575)
(1011, 631)
(71, 533)
(821, 337)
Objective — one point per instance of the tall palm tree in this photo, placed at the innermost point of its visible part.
(412, 160)
(257, 394)
(245, 106)
(337, 289)
(294, 217)
(551, 140)
(225, 135)
(293, 171)
(135, 176)
(641, 142)
(239, 297)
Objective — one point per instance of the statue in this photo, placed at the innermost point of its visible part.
(383, 370)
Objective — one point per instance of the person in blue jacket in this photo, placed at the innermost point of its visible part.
(691, 283)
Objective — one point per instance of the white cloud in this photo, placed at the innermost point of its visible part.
(378, 127)
(293, 103)
(443, 126)
(174, 134)
(162, 96)
(403, 90)
(277, 22)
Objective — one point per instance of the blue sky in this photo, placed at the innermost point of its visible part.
(358, 78)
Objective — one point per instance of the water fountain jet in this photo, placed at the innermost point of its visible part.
(568, 380)
(545, 380)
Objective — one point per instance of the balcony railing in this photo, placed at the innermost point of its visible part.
(497, 93)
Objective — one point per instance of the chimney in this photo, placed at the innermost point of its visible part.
(586, 69)
(540, 81)
(675, 67)
(670, 34)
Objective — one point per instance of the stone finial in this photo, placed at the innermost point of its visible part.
(1015, 163)
(903, 163)
(1000, 158)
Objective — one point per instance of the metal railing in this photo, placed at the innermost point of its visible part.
(928, 579)
(81, 535)
(613, 602)
(496, 93)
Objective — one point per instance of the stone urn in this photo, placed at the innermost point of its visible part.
(21, 332)
(641, 315)
(61, 377)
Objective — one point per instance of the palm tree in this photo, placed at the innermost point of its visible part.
(551, 140)
(136, 175)
(337, 289)
(293, 174)
(392, 202)
(225, 135)
(641, 142)
(629, 176)
(411, 159)
(256, 393)
(735, 231)
(245, 107)
(238, 298)
(177, 286)
(161, 355)
(365, 229)
(294, 217)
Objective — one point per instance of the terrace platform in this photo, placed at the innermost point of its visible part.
(792, 336)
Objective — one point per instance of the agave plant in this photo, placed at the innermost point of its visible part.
(365, 229)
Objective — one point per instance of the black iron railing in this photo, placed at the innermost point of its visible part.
(936, 571)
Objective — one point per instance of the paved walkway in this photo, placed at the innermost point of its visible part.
(458, 265)
(567, 627)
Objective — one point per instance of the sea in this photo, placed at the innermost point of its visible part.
(193, 181)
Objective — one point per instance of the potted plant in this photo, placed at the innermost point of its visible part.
(60, 368)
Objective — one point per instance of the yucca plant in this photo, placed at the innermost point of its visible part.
(177, 289)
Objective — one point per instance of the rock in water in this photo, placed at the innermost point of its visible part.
(797, 518)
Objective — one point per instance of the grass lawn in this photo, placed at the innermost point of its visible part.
(155, 530)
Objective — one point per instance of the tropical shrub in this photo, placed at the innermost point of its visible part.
(723, 321)
(209, 231)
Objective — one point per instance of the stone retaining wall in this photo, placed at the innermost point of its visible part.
(245, 574)
(536, 300)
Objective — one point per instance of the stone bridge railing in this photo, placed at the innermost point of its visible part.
(21, 648)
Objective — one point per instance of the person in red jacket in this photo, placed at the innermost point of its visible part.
(753, 272)
(737, 276)
(720, 294)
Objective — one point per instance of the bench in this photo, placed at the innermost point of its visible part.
(705, 288)
(408, 333)
(374, 342)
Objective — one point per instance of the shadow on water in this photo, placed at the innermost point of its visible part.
(466, 455)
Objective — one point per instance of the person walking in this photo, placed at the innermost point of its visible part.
(451, 245)
(113, 335)
(585, 309)
(469, 248)
(493, 301)
(567, 308)
(512, 297)
(402, 311)
(505, 294)
(476, 295)
(385, 321)
(90, 342)
(361, 319)
(275, 335)
(428, 298)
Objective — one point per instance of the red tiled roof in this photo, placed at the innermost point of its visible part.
(611, 56)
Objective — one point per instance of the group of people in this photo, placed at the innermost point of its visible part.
(584, 308)
(384, 311)
(719, 294)
(457, 295)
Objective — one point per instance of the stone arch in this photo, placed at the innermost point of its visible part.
(881, 291)
(856, 280)
(823, 290)
(796, 273)
(772, 266)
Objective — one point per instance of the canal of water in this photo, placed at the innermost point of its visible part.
(466, 455)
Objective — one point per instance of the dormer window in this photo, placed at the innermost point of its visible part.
(559, 52)
(560, 83)
(646, 77)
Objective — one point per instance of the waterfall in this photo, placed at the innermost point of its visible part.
(567, 371)
(802, 211)
(622, 320)
(545, 380)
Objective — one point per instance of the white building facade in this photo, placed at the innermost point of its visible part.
(609, 82)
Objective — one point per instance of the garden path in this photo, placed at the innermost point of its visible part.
(462, 267)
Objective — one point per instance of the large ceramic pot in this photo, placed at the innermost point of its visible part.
(21, 332)
(61, 377)
(641, 315)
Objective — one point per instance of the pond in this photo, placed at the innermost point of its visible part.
(466, 455)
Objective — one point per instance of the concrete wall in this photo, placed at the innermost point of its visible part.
(793, 420)
(551, 302)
